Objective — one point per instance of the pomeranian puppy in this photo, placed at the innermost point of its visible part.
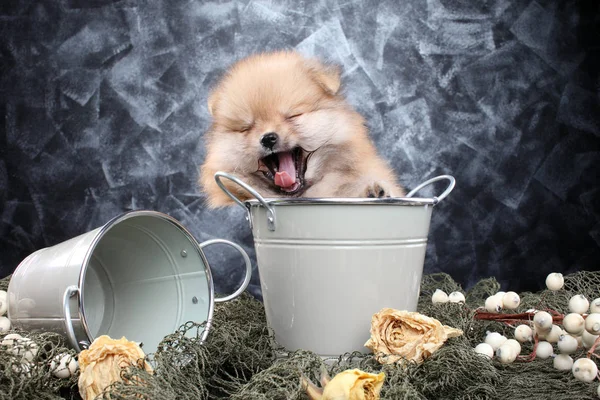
(281, 125)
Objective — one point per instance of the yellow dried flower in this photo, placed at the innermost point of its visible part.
(352, 384)
(102, 363)
(398, 335)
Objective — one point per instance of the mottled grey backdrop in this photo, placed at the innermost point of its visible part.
(103, 108)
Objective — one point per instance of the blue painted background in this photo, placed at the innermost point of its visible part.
(103, 107)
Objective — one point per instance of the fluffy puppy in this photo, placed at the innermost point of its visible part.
(281, 125)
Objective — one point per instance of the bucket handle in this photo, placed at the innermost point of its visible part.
(271, 222)
(72, 291)
(246, 281)
(436, 199)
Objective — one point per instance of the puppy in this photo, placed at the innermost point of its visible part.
(281, 125)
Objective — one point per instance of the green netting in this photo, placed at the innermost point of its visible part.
(239, 361)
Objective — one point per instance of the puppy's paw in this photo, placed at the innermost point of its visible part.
(376, 190)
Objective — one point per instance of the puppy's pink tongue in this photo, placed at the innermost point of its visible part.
(283, 179)
(286, 176)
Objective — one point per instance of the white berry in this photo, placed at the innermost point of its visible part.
(554, 334)
(3, 302)
(585, 370)
(25, 348)
(4, 324)
(495, 340)
(9, 340)
(542, 320)
(579, 304)
(524, 333)
(563, 362)
(484, 349)
(456, 297)
(63, 366)
(544, 350)
(515, 345)
(555, 281)
(511, 300)
(574, 323)
(439, 296)
(500, 294)
(567, 344)
(506, 353)
(493, 304)
(595, 306)
(588, 339)
(592, 323)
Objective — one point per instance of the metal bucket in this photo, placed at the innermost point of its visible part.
(142, 275)
(327, 265)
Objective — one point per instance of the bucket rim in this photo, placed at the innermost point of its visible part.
(248, 204)
(104, 230)
(387, 201)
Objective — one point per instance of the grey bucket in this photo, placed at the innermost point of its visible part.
(142, 275)
(327, 265)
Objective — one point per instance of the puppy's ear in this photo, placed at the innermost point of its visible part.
(327, 76)
(212, 101)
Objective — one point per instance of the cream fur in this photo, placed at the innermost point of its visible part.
(299, 99)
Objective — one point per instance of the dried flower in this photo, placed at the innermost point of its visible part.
(102, 363)
(397, 335)
(352, 384)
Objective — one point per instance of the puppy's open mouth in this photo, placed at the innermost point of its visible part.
(286, 170)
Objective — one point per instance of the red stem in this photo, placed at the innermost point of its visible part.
(592, 349)
(533, 353)
(511, 318)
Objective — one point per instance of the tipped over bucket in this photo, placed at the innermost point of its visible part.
(327, 265)
(142, 275)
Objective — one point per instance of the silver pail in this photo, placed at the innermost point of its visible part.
(142, 275)
(327, 265)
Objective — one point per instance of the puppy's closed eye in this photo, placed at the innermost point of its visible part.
(293, 116)
(241, 126)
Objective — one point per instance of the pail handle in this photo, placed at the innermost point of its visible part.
(246, 281)
(72, 291)
(436, 199)
(271, 222)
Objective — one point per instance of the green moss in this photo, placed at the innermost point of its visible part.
(238, 360)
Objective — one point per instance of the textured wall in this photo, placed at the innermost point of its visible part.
(104, 107)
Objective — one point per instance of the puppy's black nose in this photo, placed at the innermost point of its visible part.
(268, 140)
